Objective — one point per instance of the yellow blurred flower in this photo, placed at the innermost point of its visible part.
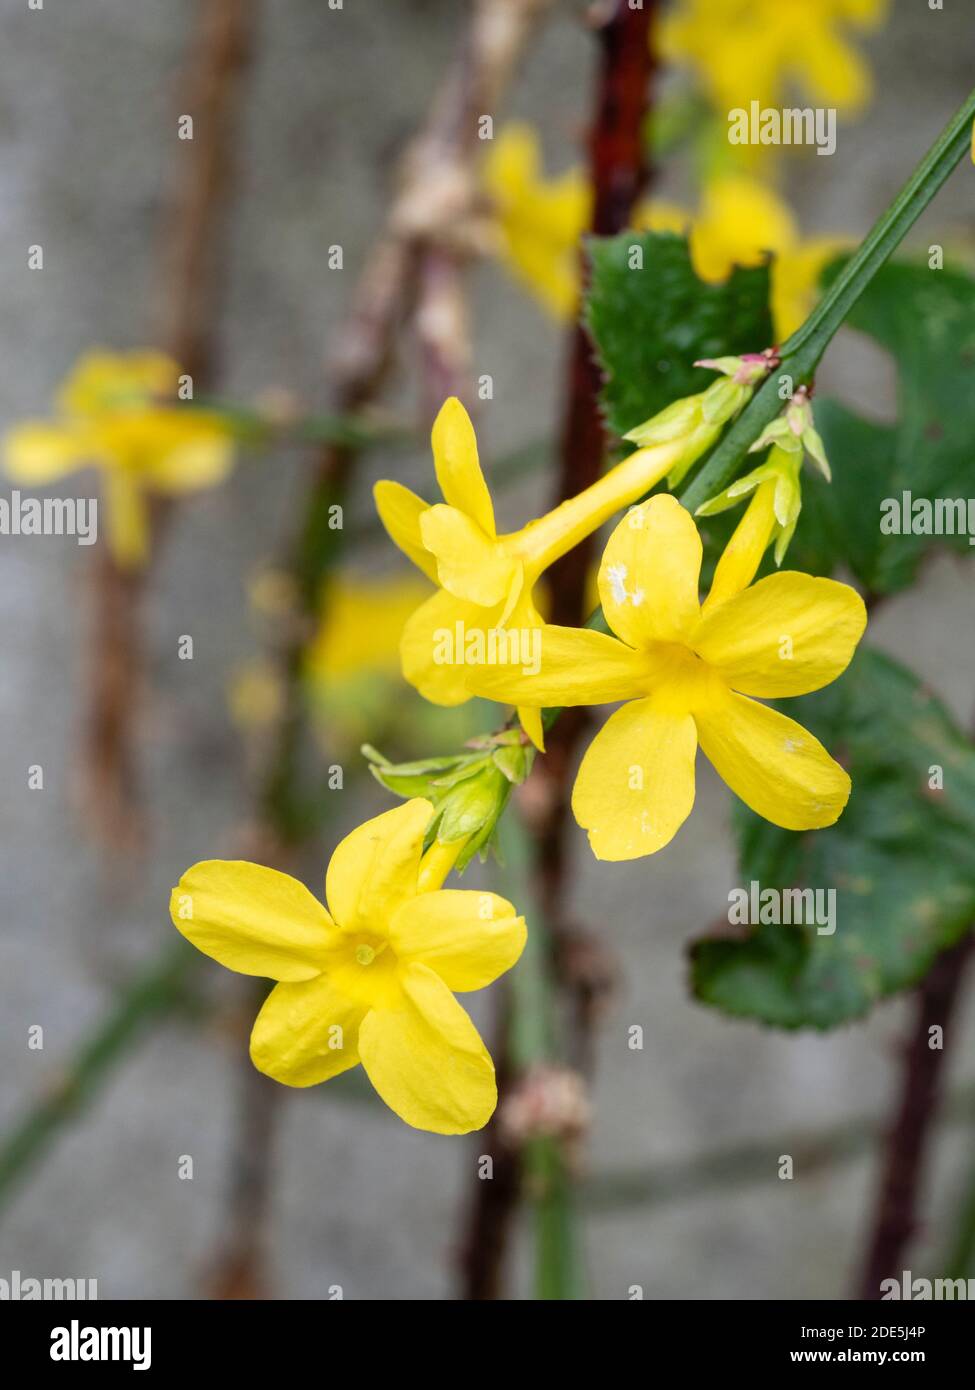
(759, 50)
(739, 220)
(539, 220)
(689, 673)
(362, 622)
(372, 979)
(121, 413)
(255, 695)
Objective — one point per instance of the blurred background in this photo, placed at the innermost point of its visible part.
(678, 1187)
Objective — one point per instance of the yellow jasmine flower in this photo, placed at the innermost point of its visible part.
(539, 220)
(371, 979)
(121, 413)
(486, 581)
(352, 665)
(688, 675)
(739, 222)
(746, 50)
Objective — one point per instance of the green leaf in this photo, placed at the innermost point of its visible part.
(901, 861)
(650, 325)
(926, 321)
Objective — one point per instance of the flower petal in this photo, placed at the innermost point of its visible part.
(458, 470)
(306, 1033)
(427, 1060)
(428, 646)
(400, 511)
(470, 564)
(648, 578)
(468, 938)
(38, 453)
(128, 518)
(772, 763)
(103, 383)
(635, 786)
(183, 452)
(375, 868)
(252, 919)
(565, 666)
(743, 554)
(531, 721)
(788, 634)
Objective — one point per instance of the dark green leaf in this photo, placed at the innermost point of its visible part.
(650, 325)
(901, 860)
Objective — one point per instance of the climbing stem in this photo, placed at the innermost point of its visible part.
(801, 354)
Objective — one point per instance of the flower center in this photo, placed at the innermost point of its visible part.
(367, 970)
(681, 679)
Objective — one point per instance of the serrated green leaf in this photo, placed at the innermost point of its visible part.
(901, 860)
(650, 325)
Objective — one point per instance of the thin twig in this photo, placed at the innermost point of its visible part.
(220, 48)
(750, 1163)
(896, 1218)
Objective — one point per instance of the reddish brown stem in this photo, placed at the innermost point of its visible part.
(896, 1218)
(617, 172)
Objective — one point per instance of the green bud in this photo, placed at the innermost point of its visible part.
(697, 421)
(795, 432)
(781, 467)
(675, 420)
(468, 790)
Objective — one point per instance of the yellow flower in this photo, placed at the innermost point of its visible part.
(747, 50)
(371, 980)
(361, 626)
(688, 674)
(739, 221)
(539, 220)
(121, 413)
(486, 581)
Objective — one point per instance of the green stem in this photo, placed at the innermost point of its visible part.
(533, 1042)
(160, 990)
(801, 354)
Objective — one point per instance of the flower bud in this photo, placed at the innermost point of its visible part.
(794, 431)
(781, 470)
(697, 421)
(468, 790)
